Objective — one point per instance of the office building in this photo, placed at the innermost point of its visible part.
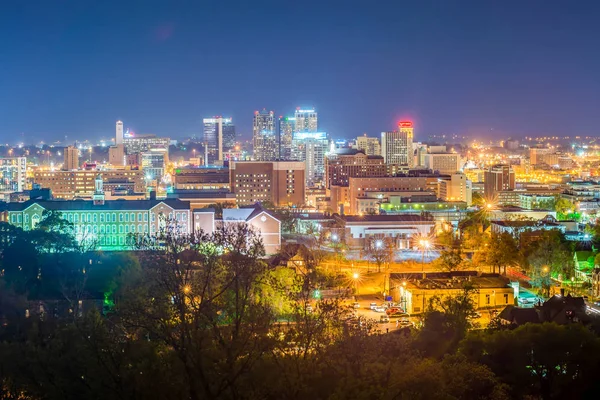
(194, 178)
(370, 145)
(219, 138)
(536, 155)
(498, 178)
(153, 164)
(455, 188)
(68, 185)
(264, 136)
(116, 155)
(286, 127)
(71, 155)
(444, 163)
(119, 133)
(349, 163)
(306, 120)
(311, 148)
(511, 144)
(135, 143)
(278, 182)
(13, 175)
(397, 146)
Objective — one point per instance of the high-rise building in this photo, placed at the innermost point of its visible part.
(219, 137)
(536, 155)
(286, 127)
(264, 135)
(311, 147)
(456, 188)
(71, 158)
(349, 163)
(13, 174)
(306, 120)
(116, 155)
(153, 164)
(119, 133)
(135, 143)
(370, 145)
(279, 182)
(444, 163)
(396, 146)
(498, 178)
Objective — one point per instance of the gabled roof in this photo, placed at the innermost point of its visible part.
(245, 213)
(520, 316)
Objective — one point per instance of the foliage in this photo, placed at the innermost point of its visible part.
(380, 251)
(502, 251)
(450, 260)
(550, 255)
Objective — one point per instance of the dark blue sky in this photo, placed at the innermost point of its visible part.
(469, 67)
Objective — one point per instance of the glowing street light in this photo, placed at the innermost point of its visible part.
(378, 244)
(424, 244)
(355, 276)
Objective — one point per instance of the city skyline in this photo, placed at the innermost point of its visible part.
(73, 71)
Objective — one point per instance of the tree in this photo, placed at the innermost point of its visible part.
(545, 361)
(450, 260)
(380, 251)
(502, 251)
(219, 207)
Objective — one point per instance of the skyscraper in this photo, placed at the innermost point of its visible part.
(71, 158)
(219, 137)
(311, 148)
(370, 145)
(286, 127)
(119, 133)
(264, 135)
(306, 120)
(397, 146)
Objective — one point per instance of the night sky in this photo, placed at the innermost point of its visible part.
(485, 68)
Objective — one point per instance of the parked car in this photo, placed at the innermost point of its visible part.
(372, 306)
(355, 305)
(404, 322)
(399, 314)
(379, 309)
(384, 319)
(392, 310)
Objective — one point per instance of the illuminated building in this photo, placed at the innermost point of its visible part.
(306, 120)
(498, 178)
(201, 178)
(457, 188)
(279, 182)
(416, 295)
(135, 143)
(444, 163)
(71, 158)
(13, 174)
(361, 187)
(80, 184)
(262, 221)
(264, 136)
(286, 127)
(153, 164)
(536, 155)
(397, 146)
(399, 229)
(119, 133)
(311, 148)
(370, 145)
(116, 155)
(346, 163)
(219, 138)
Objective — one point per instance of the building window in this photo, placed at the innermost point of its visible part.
(487, 299)
(132, 228)
(139, 217)
(139, 228)
(132, 218)
(145, 217)
(120, 228)
(126, 228)
(19, 218)
(89, 217)
(95, 217)
(101, 217)
(114, 229)
(126, 217)
(505, 298)
(120, 217)
(26, 218)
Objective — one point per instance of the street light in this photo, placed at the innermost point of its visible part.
(378, 244)
(355, 276)
(424, 244)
